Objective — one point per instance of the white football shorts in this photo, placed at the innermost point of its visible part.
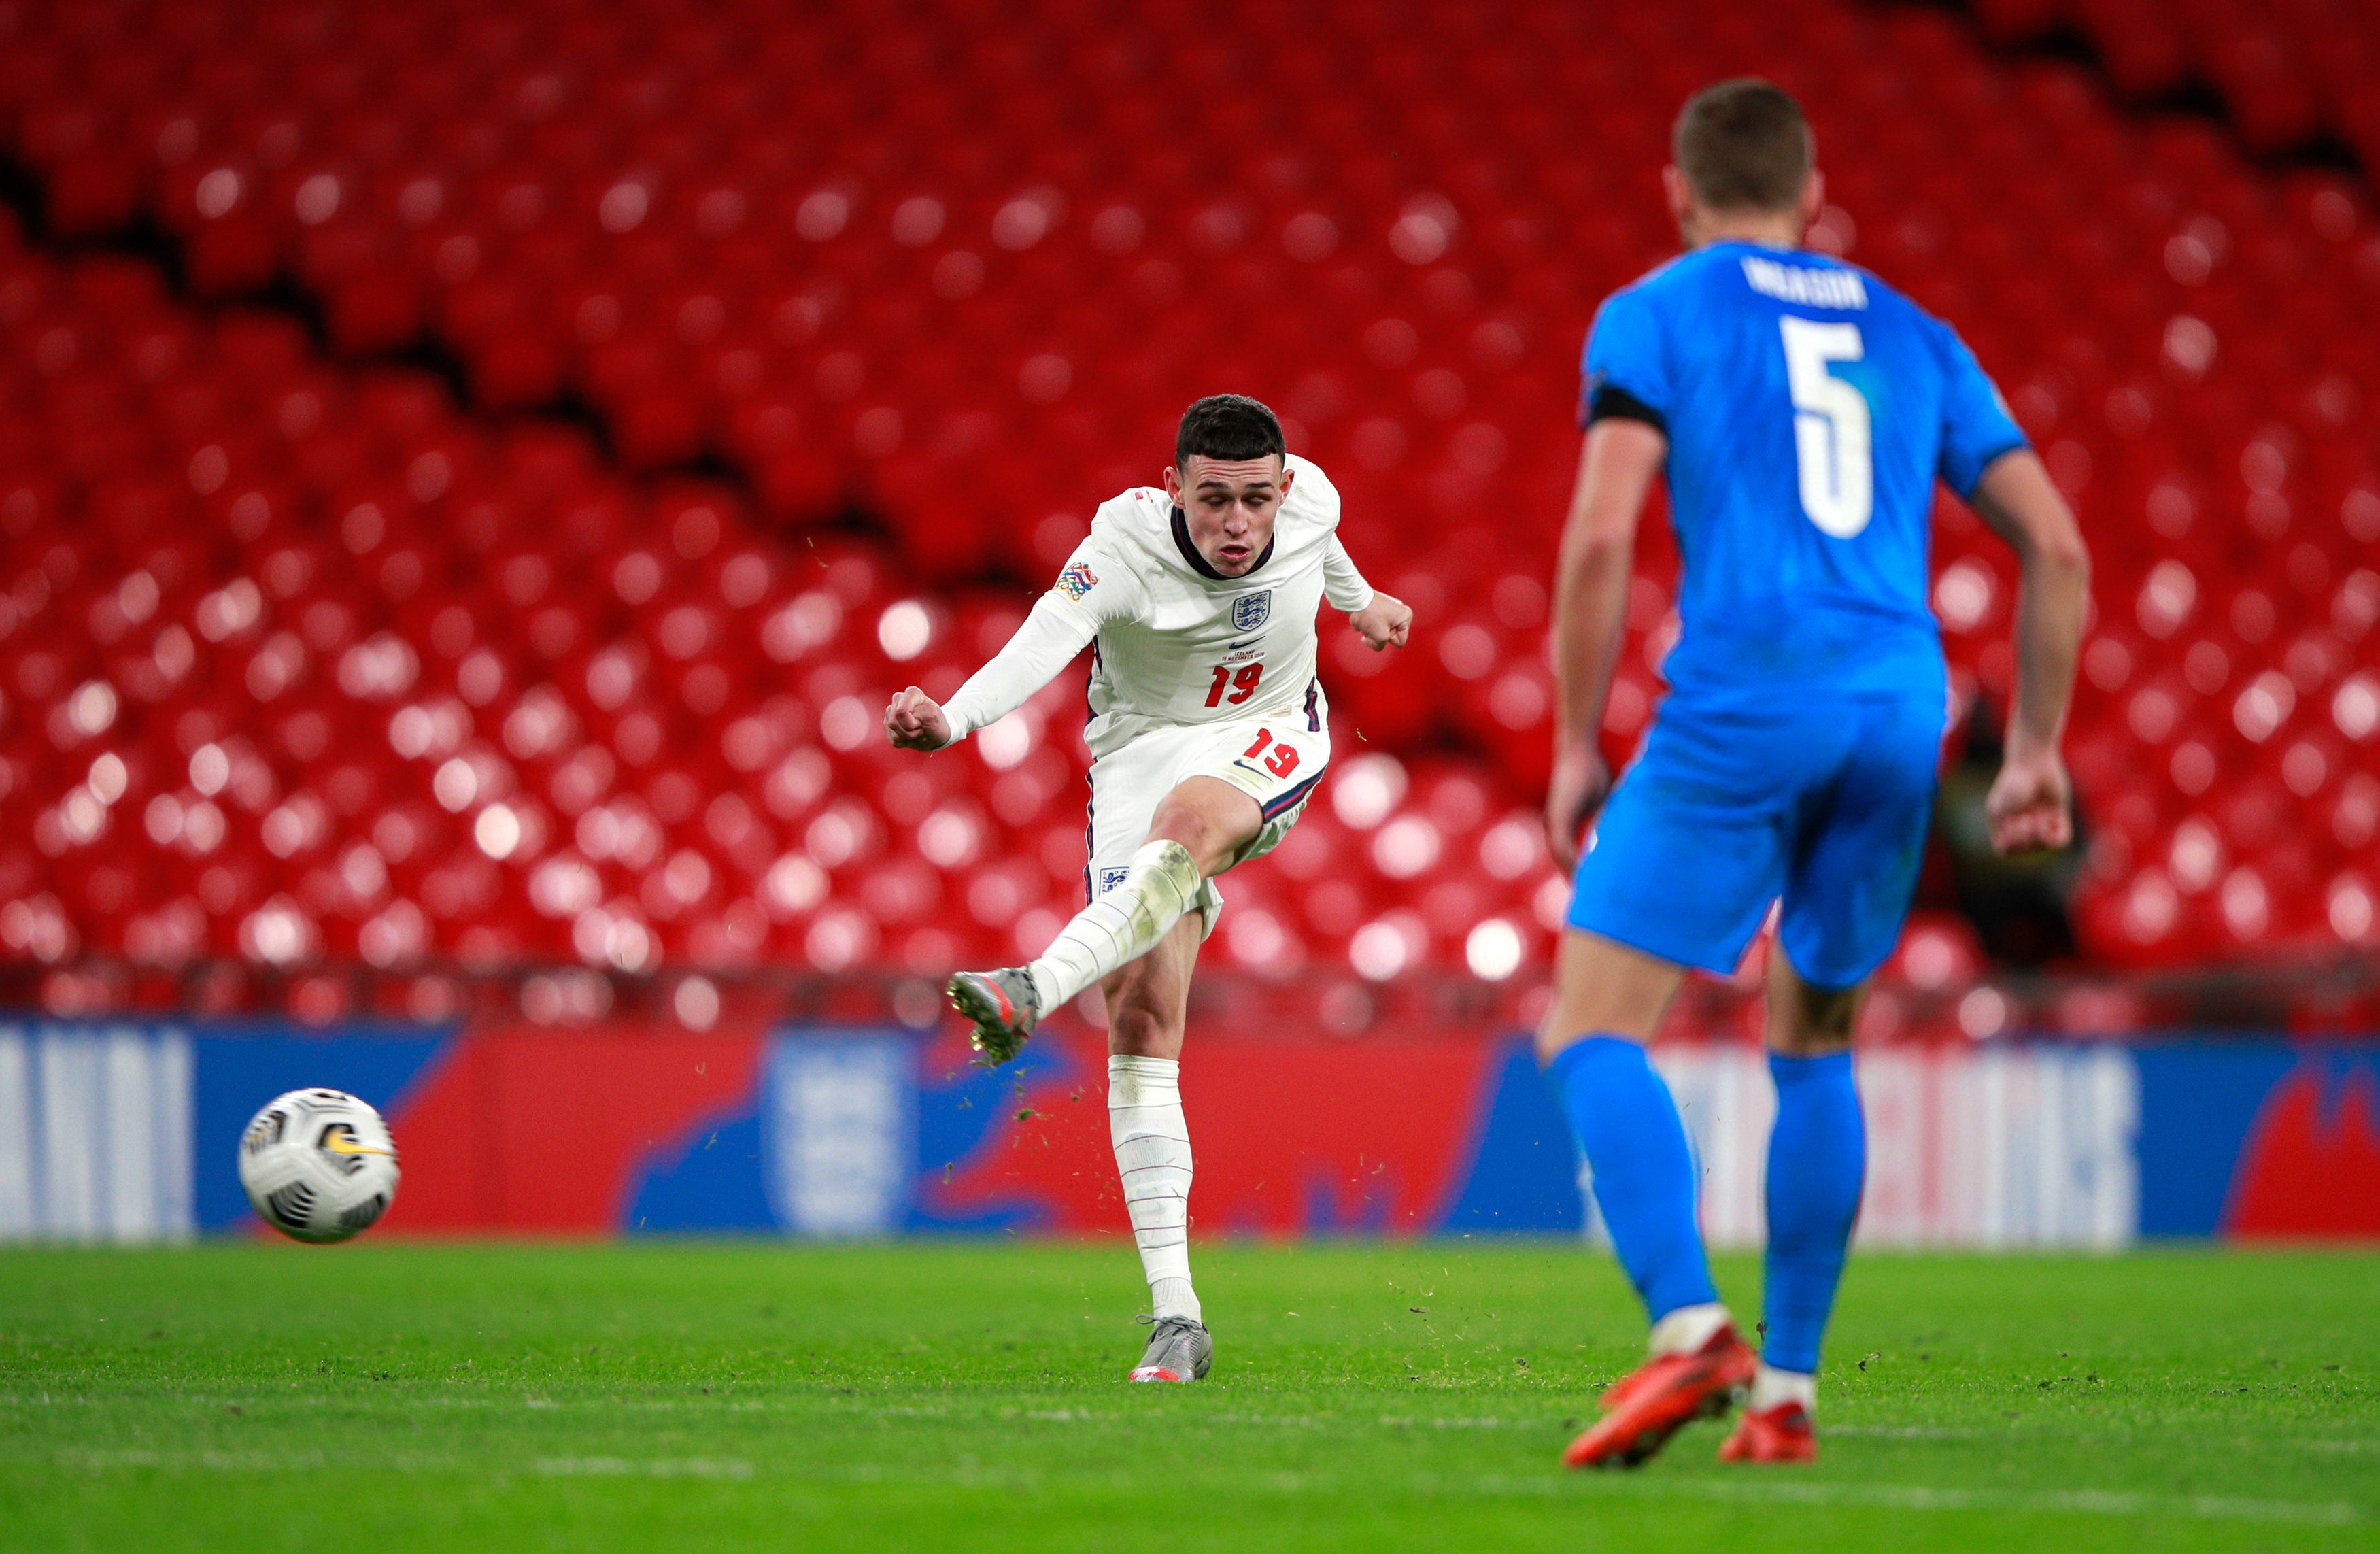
(1276, 761)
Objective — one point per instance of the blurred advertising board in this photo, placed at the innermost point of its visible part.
(124, 1131)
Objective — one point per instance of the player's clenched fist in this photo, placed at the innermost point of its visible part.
(914, 721)
(1581, 781)
(1384, 623)
(2029, 805)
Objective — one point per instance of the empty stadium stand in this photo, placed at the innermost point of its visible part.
(2289, 74)
(470, 478)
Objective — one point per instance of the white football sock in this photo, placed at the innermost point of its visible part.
(1686, 1330)
(1152, 1152)
(1121, 926)
(1770, 1388)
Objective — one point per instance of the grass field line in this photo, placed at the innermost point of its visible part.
(310, 1461)
(812, 1406)
(1057, 1412)
(210, 1462)
(1763, 1490)
(1913, 1496)
(628, 1468)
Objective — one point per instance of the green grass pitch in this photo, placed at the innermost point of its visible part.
(689, 1395)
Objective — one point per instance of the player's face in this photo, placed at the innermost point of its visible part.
(1229, 508)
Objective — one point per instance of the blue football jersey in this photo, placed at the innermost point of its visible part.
(1809, 409)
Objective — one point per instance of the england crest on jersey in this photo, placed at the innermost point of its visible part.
(1251, 611)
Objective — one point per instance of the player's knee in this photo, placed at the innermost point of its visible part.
(1815, 1022)
(1554, 1040)
(1210, 816)
(1193, 828)
(1801, 1041)
(1602, 987)
(1177, 821)
(1552, 1043)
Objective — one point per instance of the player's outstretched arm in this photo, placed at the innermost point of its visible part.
(1046, 643)
(2029, 801)
(1616, 466)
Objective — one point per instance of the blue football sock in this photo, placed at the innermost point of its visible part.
(1817, 1161)
(1627, 1125)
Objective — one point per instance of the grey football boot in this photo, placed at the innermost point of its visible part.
(1179, 1349)
(1004, 1005)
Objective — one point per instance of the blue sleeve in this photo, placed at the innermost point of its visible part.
(1625, 361)
(1976, 426)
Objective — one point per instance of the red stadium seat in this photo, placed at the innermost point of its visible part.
(491, 648)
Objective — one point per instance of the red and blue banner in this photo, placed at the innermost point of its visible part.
(125, 1131)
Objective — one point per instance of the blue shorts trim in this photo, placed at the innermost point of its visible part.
(1291, 799)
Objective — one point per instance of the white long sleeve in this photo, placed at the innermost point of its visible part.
(1342, 585)
(1046, 643)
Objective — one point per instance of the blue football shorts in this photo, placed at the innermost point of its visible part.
(1823, 803)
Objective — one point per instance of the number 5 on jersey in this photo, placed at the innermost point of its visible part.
(1831, 434)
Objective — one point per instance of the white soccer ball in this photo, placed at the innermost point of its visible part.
(318, 1164)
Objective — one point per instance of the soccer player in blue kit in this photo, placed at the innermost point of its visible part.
(1801, 410)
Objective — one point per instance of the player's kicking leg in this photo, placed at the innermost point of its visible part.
(1608, 1001)
(1139, 940)
(1817, 1159)
(1199, 828)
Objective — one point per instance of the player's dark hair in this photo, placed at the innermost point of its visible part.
(1743, 145)
(1230, 426)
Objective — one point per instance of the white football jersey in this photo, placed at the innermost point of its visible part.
(1176, 643)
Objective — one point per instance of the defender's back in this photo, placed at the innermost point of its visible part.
(1809, 408)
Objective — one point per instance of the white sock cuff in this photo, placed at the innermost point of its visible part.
(1686, 1330)
(1771, 1386)
(1173, 1296)
(1143, 1082)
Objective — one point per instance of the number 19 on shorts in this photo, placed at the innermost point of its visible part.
(1280, 763)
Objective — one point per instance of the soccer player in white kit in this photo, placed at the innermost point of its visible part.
(1208, 734)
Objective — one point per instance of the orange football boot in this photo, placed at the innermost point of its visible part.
(1782, 1434)
(1654, 1401)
